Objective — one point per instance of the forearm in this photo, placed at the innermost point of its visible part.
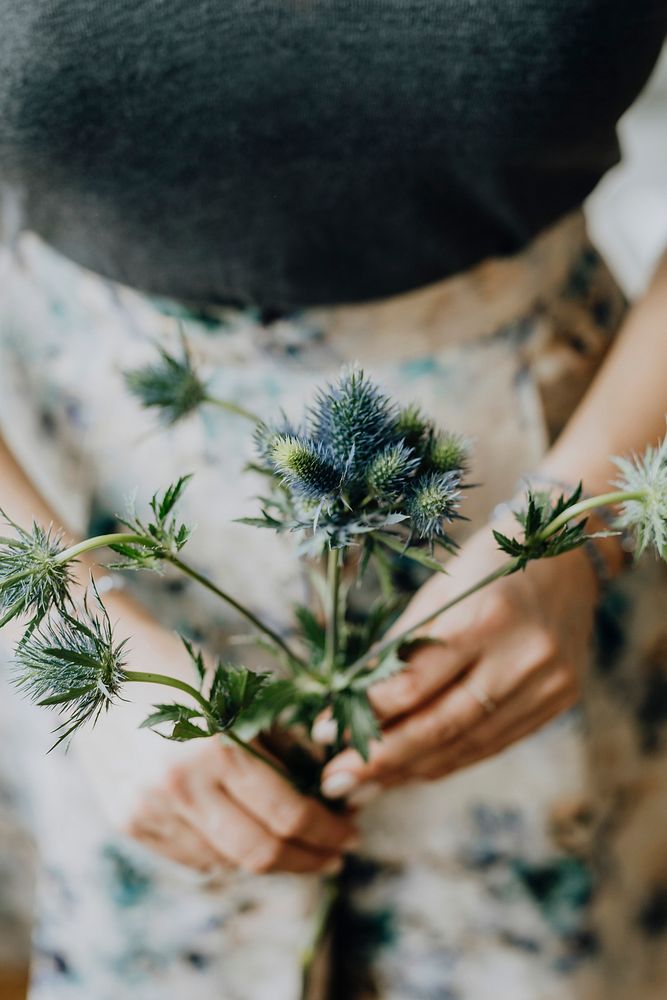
(625, 409)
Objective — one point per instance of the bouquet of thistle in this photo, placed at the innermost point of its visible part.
(360, 482)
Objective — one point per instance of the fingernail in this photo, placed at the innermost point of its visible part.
(332, 867)
(339, 784)
(324, 731)
(352, 842)
(365, 793)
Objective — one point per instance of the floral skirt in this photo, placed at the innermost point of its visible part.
(526, 877)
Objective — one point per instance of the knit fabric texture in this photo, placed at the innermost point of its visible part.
(297, 152)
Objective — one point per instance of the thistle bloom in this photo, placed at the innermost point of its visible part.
(307, 467)
(646, 514)
(364, 466)
(171, 386)
(31, 580)
(433, 502)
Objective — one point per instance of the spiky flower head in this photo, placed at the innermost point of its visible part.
(72, 663)
(350, 471)
(412, 426)
(646, 516)
(353, 417)
(434, 501)
(32, 581)
(390, 470)
(447, 452)
(171, 386)
(308, 468)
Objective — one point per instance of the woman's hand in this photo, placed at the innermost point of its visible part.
(222, 807)
(508, 659)
(205, 804)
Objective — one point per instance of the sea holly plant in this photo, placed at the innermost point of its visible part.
(174, 388)
(361, 482)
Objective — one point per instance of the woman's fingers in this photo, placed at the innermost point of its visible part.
(439, 722)
(237, 836)
(536, 701)
(484, 745)
(430, 668)
(160, 828)
(278, 806)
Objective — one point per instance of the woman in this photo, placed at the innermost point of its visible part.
(304, 185)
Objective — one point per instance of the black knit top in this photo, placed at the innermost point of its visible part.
(290, 152)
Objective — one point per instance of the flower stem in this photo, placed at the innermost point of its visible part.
(120, 538)
(249, 748)
(242, 610)
(240, 411)
(332, 611)
(584, 506)
(144, 677)
(330, 891)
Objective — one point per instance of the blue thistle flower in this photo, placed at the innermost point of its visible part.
(433, 501)
(389, 472)
(412, 427)
(172, 386)
(353, 419)
(308, 468)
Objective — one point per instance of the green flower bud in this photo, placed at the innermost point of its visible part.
(390, 470)
(446, 453)
(411, 426)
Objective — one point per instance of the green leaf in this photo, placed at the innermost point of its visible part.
(184, 731)
(170, 498)
(410, 552)
(197, 660)
(354, 715)
(233, 691)
(170, 713)
(274, 698)
(313, 631)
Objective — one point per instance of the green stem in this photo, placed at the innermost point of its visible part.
(145, 677)
(258, 756)
(240, 411)
(330, 891)
(245, 612)
(120, 538)
(332, 611)
(584, 506)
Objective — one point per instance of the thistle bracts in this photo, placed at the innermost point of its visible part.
(32, 580)
(549, 528)
(170, 385)
(643, 512)
(174, 388)
(72, 661)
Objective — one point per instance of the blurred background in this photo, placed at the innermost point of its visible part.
(628, 221)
